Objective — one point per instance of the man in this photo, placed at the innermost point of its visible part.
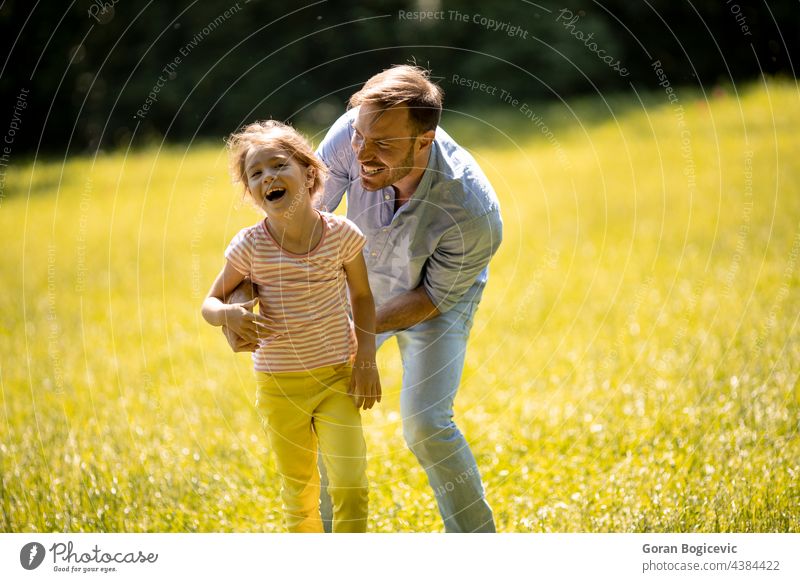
(432, 223)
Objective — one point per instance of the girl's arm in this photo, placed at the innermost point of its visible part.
(365, 385)
(236, 316)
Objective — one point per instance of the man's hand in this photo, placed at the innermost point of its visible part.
(365, 384)
(405, 310)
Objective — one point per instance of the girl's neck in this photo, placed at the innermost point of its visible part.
(297, 231)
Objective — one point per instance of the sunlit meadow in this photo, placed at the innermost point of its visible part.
(633, 365)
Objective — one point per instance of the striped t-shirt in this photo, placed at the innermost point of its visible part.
(305, 295)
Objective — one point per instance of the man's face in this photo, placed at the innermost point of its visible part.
(384, 143)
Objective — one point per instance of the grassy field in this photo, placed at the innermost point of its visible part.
(633, 366)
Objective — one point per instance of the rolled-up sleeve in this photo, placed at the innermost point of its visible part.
(462, 254)
(337, 154)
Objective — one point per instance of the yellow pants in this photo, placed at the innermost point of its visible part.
(303, 410)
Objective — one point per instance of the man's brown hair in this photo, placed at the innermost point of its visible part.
(406, 85)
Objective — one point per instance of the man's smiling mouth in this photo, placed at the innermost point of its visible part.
(370, 171)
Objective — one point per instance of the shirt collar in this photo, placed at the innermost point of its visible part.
(426, 182)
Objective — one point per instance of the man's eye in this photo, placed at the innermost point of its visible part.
(255, 174)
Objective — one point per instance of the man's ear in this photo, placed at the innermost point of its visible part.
(426, 139)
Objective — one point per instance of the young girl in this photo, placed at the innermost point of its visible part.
(313, 369)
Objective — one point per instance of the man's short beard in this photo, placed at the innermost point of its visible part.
(398, 173)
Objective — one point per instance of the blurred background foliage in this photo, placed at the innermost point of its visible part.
(90, 64)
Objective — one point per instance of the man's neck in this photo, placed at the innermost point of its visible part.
(405, 188)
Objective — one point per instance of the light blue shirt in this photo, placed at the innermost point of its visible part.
(442, 238)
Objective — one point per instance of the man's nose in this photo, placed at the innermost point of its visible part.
(360, 148)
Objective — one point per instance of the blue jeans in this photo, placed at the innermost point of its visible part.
(433, 359)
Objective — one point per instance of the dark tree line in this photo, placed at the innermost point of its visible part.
(100, 74)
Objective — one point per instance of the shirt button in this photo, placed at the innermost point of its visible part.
(387, 197)
(374, 254)
(385, 230)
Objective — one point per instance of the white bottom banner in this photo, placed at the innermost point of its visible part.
(400, 557)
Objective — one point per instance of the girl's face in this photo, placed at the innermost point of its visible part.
(276, 180)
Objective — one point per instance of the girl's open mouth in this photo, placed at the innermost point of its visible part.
(275, 194)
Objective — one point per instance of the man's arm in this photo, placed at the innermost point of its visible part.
(406, 310)
(462, 253)
(449, 273)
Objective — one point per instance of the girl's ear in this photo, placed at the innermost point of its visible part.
(311, 175)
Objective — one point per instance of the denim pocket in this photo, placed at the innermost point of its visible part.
(465, 315)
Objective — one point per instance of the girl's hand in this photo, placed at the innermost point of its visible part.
(230, 304)
(236, 343)
(248, 326)
(365, 384)
(244, 292)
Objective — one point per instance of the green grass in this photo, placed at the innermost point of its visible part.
(633, 366)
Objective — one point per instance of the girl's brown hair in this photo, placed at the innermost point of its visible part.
(281, 136)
